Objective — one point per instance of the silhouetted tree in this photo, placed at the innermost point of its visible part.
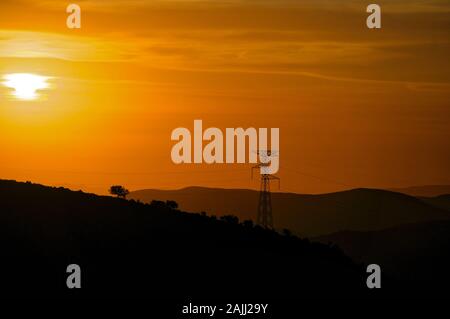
(119, 191)
(159, 204)
(230, 219)
(172, 204)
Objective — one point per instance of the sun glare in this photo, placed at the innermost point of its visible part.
(26, 85)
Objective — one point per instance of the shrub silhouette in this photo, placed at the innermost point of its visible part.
(172, 204)
(287, 232)
(230, 219)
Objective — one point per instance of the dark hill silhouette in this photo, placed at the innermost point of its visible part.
(413, 252)
(425, 190)
(128, 249)
(308, 215)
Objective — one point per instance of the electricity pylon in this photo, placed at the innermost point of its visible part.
(264, 216)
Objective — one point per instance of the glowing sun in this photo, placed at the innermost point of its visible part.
(26, 85)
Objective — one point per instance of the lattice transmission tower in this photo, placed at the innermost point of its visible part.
(264, 214)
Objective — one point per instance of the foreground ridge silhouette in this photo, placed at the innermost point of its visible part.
(130, 249)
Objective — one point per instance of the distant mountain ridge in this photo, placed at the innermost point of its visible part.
(424, 191)
(308, 215)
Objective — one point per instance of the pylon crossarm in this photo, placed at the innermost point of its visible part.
(275, 178)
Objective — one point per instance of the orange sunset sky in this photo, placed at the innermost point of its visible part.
(355, 107)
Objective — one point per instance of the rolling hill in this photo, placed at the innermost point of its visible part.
(441, 201)
(308, 215)
(425, 190)
(417, 252)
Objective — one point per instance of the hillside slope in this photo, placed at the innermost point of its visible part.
(308, 215)
(128, 249)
